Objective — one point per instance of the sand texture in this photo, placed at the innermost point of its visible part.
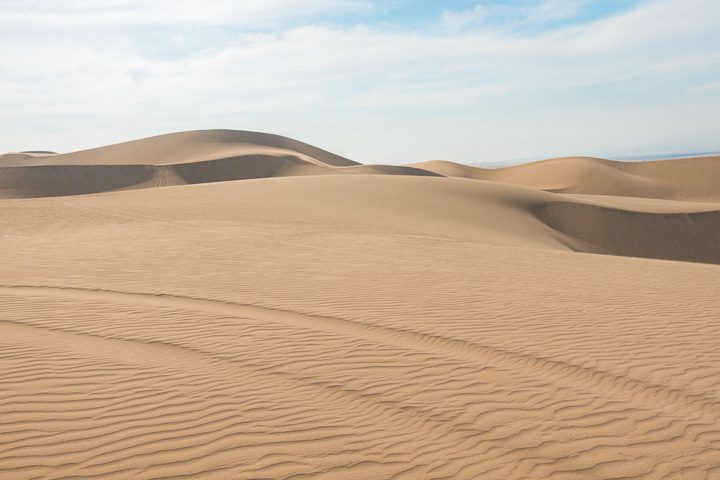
(235, 305)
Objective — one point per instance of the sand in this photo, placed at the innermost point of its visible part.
(235, 305)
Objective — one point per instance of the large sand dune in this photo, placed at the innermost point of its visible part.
(277, 311)
(174, 159)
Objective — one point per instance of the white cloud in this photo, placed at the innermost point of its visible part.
(706, 87)
(553, 10)
(503, 16)
(420, 96)
(99, 13)
(290, 79)
(458, 19)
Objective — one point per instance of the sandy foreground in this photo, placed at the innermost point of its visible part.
(235, 305)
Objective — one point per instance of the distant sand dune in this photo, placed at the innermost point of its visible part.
(679, 179)
(277, 311)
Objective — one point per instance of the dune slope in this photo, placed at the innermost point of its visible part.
(439, 207)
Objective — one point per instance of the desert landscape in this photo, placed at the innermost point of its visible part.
(235, 305)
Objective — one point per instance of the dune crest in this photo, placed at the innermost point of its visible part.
(582, 204)
(174, 159)
(692, 179)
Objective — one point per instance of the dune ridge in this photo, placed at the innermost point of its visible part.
(605, 220)
(277, 311)
(677, 179)
(61, 180)
(223, 155)
(184, 147)
(174, 159)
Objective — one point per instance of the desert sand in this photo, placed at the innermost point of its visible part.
(235, 305)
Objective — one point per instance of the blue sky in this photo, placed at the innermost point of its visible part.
(394, 82)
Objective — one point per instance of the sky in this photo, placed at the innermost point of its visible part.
(376, 81)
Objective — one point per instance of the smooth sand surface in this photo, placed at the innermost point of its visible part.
(277, 311)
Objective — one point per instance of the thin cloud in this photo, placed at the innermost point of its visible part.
(294, 78)
(102, 13)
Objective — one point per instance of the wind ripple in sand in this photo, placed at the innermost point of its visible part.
(192, 405)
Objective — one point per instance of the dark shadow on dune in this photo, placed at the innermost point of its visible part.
(61, 180)
(688, 237)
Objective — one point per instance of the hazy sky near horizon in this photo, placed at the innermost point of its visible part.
(377, 81)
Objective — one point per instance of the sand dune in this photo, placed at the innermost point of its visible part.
(184, 147)
(278, 311)
(174, 159)
(679, 179)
